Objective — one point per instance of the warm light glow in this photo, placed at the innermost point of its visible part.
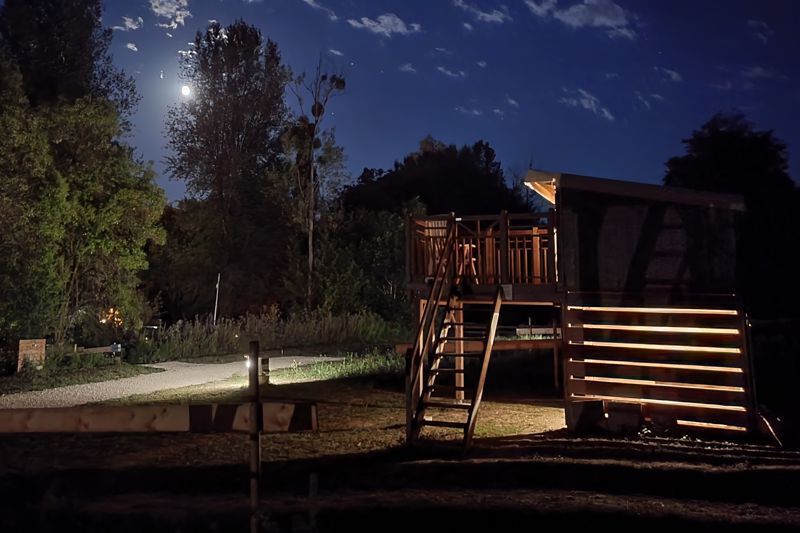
(186, 91)
(654, 383)
(709, 425)
(622, 399)
(673, 310)
(659, 329)
(667, 347)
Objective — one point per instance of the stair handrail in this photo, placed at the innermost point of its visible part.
(426, 332)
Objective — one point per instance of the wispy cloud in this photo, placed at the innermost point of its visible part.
(760, 30)
(642, 100)
(129, 24)
(604, 14)
(611, 76)
(469, 111)
(328, 11)
(387, 25)
(335, 52)
(583, 99)
(762, 73)
(496, 16)
(175, 11)
(408, 68)
(499, 112)
(443, 50)
(467, 26)
(452, 73)
(482, 64)
(670, 75)
(132, 47)
(511, 101)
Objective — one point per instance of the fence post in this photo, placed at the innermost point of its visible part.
(256, 425)
(505, 272)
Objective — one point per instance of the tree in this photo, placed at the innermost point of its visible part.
(318, 161)
(61, 48)
(727, 154)
(226, 144)
(32, 205)
(467, 181)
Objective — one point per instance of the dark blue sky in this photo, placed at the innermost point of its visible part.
(600, 87)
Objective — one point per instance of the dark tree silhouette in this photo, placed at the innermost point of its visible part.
(727, 154)
(467, 180)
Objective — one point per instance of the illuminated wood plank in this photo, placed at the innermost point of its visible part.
(659, 310)
(660, 347)
(669, 384)
(658, 329)
(670, 403)
(278, 417)
(710, 425)
(674, 366)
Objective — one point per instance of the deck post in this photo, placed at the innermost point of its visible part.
(504, 270)
(256, 422)
(458, 316)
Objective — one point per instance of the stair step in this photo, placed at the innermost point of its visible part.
(444, 424)
(447, 405)
(447, 371)
(445, 388)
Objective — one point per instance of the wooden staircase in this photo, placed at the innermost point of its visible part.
(435, 377)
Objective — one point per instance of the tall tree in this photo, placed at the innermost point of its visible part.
(225, 141)
(61, 48)
(317, 158)
(727, 154)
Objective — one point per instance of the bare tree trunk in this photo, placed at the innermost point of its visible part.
(311, 208)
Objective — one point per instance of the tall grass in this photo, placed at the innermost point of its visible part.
(200, 337)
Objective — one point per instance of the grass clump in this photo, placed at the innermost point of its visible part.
(375, 364)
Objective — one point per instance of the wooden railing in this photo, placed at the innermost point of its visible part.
(488, 249)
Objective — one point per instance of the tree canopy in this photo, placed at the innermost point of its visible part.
(727, 154)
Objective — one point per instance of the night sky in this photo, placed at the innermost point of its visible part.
(585, 86)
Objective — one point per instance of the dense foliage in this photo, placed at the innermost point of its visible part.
(727, 154)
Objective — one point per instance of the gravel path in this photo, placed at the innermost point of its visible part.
(176, 374)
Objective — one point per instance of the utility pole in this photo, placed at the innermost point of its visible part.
(216, 300)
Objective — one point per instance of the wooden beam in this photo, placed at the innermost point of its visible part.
(278, 417)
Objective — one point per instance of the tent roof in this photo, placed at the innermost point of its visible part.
(546, 184)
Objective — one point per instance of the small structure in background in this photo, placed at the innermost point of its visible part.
(641, 280)
(31, 352)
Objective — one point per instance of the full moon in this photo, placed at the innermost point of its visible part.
(186, 90)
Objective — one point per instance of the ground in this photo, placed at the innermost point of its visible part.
(356, 473)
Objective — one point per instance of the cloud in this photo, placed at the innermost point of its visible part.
(132, 47)
(386, 25)
(408, 68)
(542, 8)
(328, 11)
(496, 16)
(511, 101)
(452, 74)
(671, 75)
(335, 52)
(469, 111)
(760, 30)
(442, 50)
(656, 96)
(604, 14)
(467, 26)
(482, 64)
(611, 76)
(176, 11)
(644, 101)
(755, 73)
(583, 99)
(129, 24)
(499, 112)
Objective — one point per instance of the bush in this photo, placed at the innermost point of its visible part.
(200, 337)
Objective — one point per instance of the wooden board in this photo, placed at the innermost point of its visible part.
(31, 351)
(224, 418)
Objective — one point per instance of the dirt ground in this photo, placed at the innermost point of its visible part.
(355, 473)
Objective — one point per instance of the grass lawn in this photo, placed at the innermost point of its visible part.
(61, 377)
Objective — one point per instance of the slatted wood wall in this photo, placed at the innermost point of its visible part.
(685, 364)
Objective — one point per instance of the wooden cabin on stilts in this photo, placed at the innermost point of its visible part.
(640, 280)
